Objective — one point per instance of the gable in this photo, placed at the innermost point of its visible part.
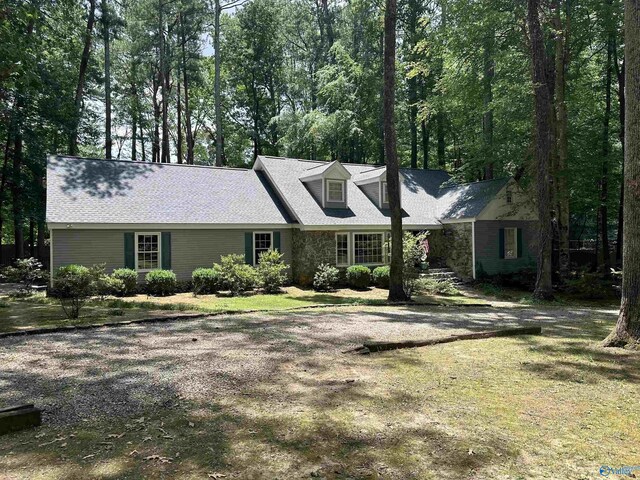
(521, 207)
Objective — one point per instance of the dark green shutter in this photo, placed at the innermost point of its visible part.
(129, 251)
(166, 251)
(501, 243)
(519, 243)
(248, 248)
(276, 241)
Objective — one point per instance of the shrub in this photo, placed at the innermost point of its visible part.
(73, 285)
(358, 276)
(129, 278)
(591, 286)
(271, 271)
(106, 285)
(381, 276)
(161, 282)
(437, 287)
(206, 280)
(326, 278)
(237, 276)
(27, 271)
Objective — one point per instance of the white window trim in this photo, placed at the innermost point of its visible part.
(509, 197)
(353, 249)
(384, 192)
(349, 253)
(135, 239)
(515, 238)
(253, 246)
(342, 185)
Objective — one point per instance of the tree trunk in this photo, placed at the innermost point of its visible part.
(627, 329)
(16, 195)
(413, 119)
(562, 144)
(442, 161)
(604, 257)
(134, 123)
(164, 86)
(107, 79)
(32, 237)
(156, 119)
(217, 98)
(487, 117)
(620, 75)
(396, 290)
(187, 110)
(544, 144)
(179, 124)
(84, 62)
(425, 144)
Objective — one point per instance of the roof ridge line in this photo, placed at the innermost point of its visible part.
(172, 164)
(476, 182)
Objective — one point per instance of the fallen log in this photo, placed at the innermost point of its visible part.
(370, 347)
(20, 417)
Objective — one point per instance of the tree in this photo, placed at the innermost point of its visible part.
(396, 290)
(627, 329)
(544, 141)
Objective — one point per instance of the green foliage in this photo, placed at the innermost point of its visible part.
(129, 278)
(271, 271)
(381, 276)
(73, 286)
(237, 276)
(436, 287)
(207, 280)
(413, 255)
(326, 278)
(109, 285)
(27, 272)
(358, 276)
(591, 286)
(161, 282)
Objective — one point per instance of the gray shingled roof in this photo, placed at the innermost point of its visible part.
(469, 199)
(419, 195)
(83, 190)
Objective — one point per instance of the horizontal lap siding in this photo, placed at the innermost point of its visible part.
(190, 249)
(487, 239)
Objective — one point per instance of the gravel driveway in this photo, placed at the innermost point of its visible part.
(127, 370)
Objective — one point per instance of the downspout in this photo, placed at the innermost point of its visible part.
(51, 257)
(473, 248)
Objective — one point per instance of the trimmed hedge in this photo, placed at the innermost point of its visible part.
(130, 279)
(161, 282)
(326, 278)
(381, 276)
(206, 280)
(358, 277)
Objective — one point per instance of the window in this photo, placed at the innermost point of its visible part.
(335, 191)
(147, 251)
(368, 248)
(509, 197)
(385, 193)
(262, 242)
(342, 249)
(510, 243)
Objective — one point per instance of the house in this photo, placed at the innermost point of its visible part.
(173, 216)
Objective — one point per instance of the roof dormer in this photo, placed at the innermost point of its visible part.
(328, 184)
(374, 185)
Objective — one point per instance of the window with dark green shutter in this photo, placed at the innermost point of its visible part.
(129, 250)
(248, 248)
(501, 243)
(519, 243)
(165, 244)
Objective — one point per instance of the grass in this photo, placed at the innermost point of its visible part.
(551, 406)
(38, 311)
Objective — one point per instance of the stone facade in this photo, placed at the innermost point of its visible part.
(458, 244)
(437, 248)
(310, 249)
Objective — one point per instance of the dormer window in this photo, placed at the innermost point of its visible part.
(373, 183)
(335, 191)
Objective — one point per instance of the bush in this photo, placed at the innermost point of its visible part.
(206, 280)
(27, 271)
(129, 279)
(73, 285)
(237, 276)
(358, 276)
(437, 287)
(381, 276)
(326, 278)
(413, 256)
(271, 271)
(106, 285)
(161, 282)
(591, 286)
